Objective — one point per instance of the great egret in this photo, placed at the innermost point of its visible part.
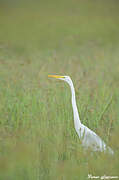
(89, 139)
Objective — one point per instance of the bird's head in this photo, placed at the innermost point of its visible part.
(64, 78)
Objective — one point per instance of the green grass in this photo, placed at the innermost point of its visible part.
(37, 136)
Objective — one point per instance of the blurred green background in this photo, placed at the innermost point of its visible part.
(79, 38)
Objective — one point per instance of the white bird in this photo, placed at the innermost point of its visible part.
(89, 139)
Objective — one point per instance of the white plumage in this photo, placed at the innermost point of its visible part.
(89, 139)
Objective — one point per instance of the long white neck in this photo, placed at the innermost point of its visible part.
(77, 122)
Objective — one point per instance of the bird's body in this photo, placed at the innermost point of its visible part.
(89, 139)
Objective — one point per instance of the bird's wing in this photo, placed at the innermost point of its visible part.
(91, 140)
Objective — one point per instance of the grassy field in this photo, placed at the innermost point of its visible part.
(69, 37)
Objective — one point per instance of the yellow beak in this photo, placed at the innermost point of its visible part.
(55, 76)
